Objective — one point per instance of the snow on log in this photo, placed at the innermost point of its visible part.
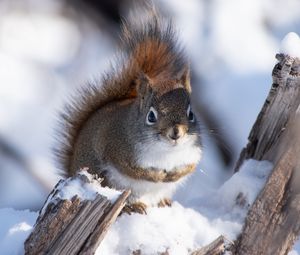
(75, 217)
(273, 221)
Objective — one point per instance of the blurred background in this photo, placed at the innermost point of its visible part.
(50, 48)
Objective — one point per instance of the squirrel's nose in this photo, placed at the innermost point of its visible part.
(176, 132)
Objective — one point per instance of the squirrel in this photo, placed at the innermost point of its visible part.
(137, 129)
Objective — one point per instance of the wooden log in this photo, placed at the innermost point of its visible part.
(216, 247)
(273, 221)
(98, 234)
(279, 107)
(73, 226)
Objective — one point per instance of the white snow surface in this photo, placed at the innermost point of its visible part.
(176, 229)
(181, 230)
(15, 226)
(84, 190)
(290, 45)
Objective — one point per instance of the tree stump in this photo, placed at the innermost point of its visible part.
(216, 247)
(74, 225)
(273, 221)
(279, 108)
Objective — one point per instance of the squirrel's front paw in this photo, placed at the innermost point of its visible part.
(137, 207)
(165, 202)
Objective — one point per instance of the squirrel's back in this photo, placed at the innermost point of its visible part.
(150, 48)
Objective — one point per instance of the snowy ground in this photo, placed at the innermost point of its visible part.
(177, 229)
(44, 55)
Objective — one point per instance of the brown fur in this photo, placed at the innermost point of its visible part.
(159, 175)
(152, 51)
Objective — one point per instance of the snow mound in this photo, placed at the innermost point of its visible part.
(86, 187)
(175, 229)
(290, 45)
(86, 190)
(181, 230)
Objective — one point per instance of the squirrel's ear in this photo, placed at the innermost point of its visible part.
(185, 79)
(143, 86)
(144, 89)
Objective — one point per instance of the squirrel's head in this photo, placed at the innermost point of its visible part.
(166, 112)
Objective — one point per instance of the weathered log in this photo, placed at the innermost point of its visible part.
(273, 221)
(98, 234)
(73, 226)
(217, 247)
(279, 108)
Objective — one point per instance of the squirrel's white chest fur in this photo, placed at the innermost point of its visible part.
(163, 155)
(150, 193)
(158, 155)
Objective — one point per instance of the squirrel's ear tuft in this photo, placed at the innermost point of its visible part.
(144, 90)
(185, 79)
(143, 86)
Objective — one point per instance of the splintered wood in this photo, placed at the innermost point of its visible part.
(279, 108)
(74, 226)
(273, 221)
(215, 248)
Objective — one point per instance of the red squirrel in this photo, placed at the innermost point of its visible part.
(137, 129)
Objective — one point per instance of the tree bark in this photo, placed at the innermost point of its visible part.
(273, 222)
(217, 247)
(73, 226)
(279, 108)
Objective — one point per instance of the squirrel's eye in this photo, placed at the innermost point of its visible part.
(151, 116)
(190, 114)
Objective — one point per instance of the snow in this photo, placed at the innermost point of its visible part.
(15, 226)
(45, 53)
(85, 190)
(290, 45)
(179, 229)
